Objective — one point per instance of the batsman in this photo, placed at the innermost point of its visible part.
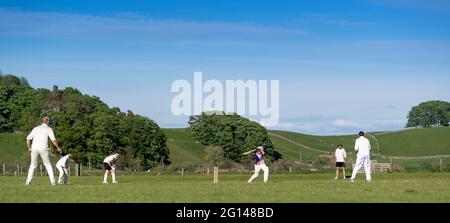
(259, 164)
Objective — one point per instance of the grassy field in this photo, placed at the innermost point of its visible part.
(320, 188)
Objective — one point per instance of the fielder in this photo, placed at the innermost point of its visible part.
(40, 136)
(341, 157)
(110, 168)
(63, 167)
(260, 165)
(362, 148)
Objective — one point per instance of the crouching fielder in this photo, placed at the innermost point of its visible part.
(110, 168)
(260, 165)
(63, 167)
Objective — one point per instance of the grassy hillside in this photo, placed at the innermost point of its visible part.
(416, 142)
(183, 149)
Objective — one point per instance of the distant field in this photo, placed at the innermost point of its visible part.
(183, 148)
(404, 188)
(416, 142)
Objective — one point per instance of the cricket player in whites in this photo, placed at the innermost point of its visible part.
(259, 165)
(63, 167)
(341, 157)
(39, 136)
(362, 148)
(110, 168)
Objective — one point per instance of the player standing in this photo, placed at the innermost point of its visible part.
(362, 148)
(341, 157)
(37, 142)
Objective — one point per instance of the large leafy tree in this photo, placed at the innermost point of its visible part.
(428, 114)
(235, 134)
(84, 124)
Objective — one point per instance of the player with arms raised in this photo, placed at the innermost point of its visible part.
(259, 164)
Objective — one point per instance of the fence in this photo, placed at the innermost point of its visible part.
(9, 169)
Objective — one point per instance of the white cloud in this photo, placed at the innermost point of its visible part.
(343, 123)
(285, 126)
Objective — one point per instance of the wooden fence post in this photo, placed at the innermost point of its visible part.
(81, 170)
(207, 172)
(216, 175)
(4, 169)
(76, 169)
(182, 172)
(441, 164)
(18, 169)
(90, 164)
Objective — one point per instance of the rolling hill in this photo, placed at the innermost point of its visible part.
(294, 146)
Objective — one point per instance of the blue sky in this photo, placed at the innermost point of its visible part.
(343, 66)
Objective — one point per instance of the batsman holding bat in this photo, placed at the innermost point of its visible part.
(110, 167)
(259, 164)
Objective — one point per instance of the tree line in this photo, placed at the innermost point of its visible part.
(84, 125)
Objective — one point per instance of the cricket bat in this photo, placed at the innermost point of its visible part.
(249, 152)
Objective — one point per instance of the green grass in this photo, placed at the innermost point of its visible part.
(416, 142)
(321, 188)
(183, 148)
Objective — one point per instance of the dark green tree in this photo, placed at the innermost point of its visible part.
(233, 133)
(428, 114)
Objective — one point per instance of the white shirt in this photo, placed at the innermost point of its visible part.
(110, 159)
(40, 136)
(362, 146)
(63, 162)
(341, 155)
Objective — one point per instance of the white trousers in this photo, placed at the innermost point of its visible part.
(63, 176)
(363, 161)
(45, 156)
(113, 175)
(258, 169)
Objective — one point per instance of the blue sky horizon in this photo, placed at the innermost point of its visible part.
(342, 67)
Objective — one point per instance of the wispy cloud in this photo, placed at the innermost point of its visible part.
(323, 125)
(285, 126)
(132, 26)
(343, 123)
(327, 19)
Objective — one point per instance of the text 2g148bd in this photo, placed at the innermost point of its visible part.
(246, 213)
